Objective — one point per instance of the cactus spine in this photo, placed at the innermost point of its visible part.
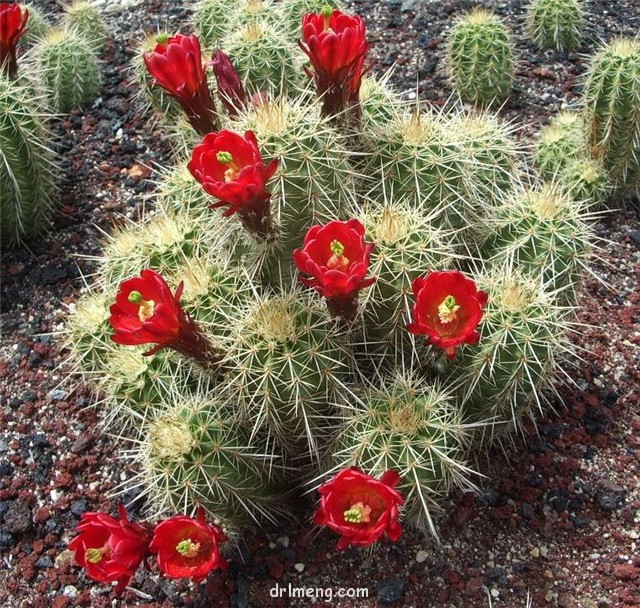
(560, 142)
(38, 25)
(480, 58)
(28, 171)
(612, 99)
(555, 24)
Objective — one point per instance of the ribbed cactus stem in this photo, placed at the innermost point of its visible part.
(555, 24)
(480, 58)
(612, 99)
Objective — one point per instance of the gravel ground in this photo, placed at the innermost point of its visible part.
(557, 521)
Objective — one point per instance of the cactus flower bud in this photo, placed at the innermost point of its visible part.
(336, 45)
(230, 87)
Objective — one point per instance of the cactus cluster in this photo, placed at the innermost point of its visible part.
(480, 58)
(555, 24)
(302, 388)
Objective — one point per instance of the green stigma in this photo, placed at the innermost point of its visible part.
(337, 248)
(188, 548)
(224, 157)
(135, 297)
(353, 516)
(94, 556)
(327, 11)
(450, 302)
(162, 38)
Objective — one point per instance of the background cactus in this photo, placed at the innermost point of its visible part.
(38, 25)
(555, 24)
(28, 170)
(560, 142)
(85, 18)
(69, 69)
(480, 58)
(612, 99)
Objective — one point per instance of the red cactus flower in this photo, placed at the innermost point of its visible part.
(230, 167)
(448, 310)
(176, 65)
(337, 258)
(110, 549)
(336, 45)
(13, 25)
(360, 508)
(230, 87)
(146, 312)
(187, 547)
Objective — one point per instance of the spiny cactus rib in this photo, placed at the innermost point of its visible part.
(612, 99)
(555, 24)
(543, 229)
(69, 69)
(28, 171)
(524, 338)
(85, 18)
(197, 452)
(287, 363)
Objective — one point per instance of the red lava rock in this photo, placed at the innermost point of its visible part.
(462, 515)
(60, 601)
(64, 480)
(275, 565)
(42, 515)
(626, 572)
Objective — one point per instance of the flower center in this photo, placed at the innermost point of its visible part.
(358, 513)
(337, 261)
(448, 310)
(162, 39)
(95, 555)
(147, 307)
(187, 548)
(226, 158)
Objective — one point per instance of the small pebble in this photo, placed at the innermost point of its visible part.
(299, 567)
(421, 556)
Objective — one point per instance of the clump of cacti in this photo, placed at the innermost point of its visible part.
(436, 289)
(555, 24)
(28, 169)
(68, 66)
(480, 58)
(611, 100)
(85, 18)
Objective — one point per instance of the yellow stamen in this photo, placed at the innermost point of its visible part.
(358, 513)
(448, 310)
(187, 548)
(147, 307)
